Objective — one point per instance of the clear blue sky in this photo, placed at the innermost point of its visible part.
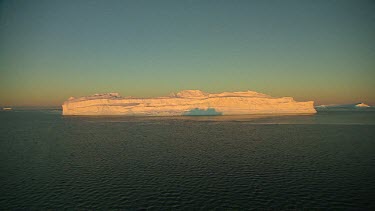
(321, 50)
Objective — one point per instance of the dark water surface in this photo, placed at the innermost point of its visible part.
(325, 160)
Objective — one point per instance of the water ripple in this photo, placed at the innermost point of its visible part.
(50, 162)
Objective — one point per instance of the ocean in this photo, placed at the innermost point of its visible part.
(321, 161)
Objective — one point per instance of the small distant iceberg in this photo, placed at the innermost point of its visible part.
(202, 112)
(344, 107)
(362, 105)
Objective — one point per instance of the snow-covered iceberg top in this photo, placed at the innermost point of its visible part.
(186, 102)
(97, 96)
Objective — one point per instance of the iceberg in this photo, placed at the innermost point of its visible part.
(362, 105)
(187, 102)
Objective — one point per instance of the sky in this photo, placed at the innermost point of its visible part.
(322, 50)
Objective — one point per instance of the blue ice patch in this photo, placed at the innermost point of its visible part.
(202, 112)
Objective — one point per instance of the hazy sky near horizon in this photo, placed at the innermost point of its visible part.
(321, 50)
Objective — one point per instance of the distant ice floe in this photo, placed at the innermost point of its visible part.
(362, 105)
(339, 107)
(186, 102)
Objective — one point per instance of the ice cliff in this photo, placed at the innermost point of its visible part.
(184, 103)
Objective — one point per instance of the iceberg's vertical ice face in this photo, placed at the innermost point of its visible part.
(196, 101)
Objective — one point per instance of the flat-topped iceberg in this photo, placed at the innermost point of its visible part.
(187, 102)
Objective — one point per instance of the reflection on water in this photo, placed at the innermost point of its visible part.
(322, 161)
(349, 118)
